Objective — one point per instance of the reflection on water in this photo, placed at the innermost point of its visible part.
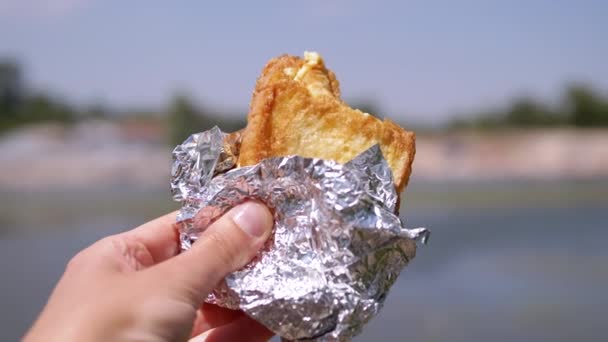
(528, 266)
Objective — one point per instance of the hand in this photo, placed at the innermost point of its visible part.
(135, 286)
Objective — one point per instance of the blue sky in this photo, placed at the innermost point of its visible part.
(422, 61)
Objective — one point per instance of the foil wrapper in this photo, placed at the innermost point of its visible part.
(337, 245)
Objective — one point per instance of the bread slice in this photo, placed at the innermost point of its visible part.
(296, 110)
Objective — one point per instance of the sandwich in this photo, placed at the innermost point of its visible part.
(296, 109)
(335, 252)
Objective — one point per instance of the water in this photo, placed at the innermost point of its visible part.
(535, 274)
(504, 263)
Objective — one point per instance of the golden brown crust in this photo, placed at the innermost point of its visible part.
(399, 149)
(275, 72)
(232, 143)
(307, 117)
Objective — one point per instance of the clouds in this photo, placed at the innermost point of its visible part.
(36, 9)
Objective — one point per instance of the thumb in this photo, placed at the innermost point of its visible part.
(225, 246)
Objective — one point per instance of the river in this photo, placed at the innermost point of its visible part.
(505, 262)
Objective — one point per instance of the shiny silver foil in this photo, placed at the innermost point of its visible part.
(337, 246)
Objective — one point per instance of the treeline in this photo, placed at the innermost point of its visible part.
(20, 105)
(579, 106)
(185, 117)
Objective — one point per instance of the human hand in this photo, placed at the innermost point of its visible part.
(135, 286)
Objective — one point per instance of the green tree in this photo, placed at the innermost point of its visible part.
(95, 111)
(17, 106)
(184, 119)
(41, 107)
(585, 107)
(528, 112)
(11, 92)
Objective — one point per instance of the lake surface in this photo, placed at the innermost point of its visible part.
(505, 262)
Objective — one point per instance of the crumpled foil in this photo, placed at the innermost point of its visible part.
(337, 246)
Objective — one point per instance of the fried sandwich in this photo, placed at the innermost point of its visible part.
(296, 109)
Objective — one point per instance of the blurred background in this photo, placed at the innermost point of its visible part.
(509, 101)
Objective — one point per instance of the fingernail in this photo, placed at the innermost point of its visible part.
(252, 218)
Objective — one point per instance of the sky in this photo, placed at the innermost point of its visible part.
(424, 61)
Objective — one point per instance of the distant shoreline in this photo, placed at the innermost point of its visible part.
(106, 154)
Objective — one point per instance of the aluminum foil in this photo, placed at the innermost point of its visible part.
(337, 246)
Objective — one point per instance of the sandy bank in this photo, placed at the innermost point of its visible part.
(99, 154)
